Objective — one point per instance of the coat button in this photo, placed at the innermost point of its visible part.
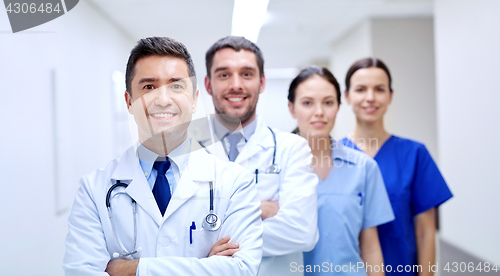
(165, 243)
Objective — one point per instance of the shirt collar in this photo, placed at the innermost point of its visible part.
(179, 156)
(247, 131)
(339, 152)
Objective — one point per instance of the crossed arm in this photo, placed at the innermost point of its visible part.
(87, 252)
(121, 267)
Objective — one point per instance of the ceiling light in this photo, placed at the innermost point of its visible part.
(248, 17)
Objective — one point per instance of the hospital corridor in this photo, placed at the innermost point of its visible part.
(404, 95)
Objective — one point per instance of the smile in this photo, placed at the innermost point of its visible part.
(163, 115)
(370, 109)
(235, 100)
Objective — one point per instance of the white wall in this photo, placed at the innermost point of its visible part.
(273, 105)
(354, 45)
(468, 95)
(82, 49)
(406, 45)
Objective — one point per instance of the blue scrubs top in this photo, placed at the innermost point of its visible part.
(351, 198)
(415, 185)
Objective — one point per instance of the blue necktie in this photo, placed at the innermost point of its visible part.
(233, 138)
(161, 189)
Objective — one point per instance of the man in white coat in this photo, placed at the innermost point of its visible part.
(155, 221)
(280, 161)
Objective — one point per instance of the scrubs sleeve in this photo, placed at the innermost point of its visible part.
(295, 227)
(429, 189)
(84, 228)
(377, 209)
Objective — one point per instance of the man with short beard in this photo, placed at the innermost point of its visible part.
(281, 162)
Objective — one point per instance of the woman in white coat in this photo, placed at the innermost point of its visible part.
(160, 85)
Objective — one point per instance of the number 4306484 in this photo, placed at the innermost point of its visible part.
(32, 8)
(470, 267)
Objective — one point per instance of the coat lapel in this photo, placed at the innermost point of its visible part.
(200, 168)
(261, 139)
(201, 132)
(129, 169)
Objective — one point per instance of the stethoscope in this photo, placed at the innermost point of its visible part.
(210, 223)
(273, 168)
(110, 214)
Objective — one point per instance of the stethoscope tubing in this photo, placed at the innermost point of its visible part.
(214, 226)
(110, 215)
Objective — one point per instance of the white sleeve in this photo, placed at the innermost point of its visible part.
(294, 228)
(241, 221)
(86, 253)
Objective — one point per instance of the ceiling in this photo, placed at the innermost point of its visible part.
(296, 33)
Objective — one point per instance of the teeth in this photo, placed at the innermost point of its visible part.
(163, 115)
(235, 99)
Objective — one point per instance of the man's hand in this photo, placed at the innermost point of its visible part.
(121, 267)
(269, 209)
(224, 248)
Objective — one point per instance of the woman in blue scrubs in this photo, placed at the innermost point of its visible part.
(413, 181)
(352, 200)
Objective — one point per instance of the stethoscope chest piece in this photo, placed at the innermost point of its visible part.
(276, 169)
(211, 222)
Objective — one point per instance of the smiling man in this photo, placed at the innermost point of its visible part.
(160, 208)
(280, 161)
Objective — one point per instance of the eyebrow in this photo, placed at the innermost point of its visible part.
(171, 80)
(311, 98)
(177, 80)
(251, 68)
(218, 69)
(143, 80)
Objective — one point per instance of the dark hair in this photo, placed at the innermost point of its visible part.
(158, 46)
(309, 72)
(370, 62)
(236, 43)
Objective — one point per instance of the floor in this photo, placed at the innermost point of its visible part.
(450, 254)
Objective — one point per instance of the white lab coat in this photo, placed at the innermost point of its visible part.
(165, 241)
(294, 229)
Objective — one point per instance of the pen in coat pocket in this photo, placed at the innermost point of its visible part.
(191, 228)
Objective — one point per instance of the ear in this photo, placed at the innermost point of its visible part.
(208, 85)
(262, 83)
(128, 100)
(291, 107)
(390, 96)
(195, 100)
(346, 97)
